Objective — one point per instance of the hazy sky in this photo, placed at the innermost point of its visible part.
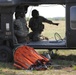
(48, 10)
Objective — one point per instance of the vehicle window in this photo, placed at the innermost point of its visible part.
(0, 21)
(73, 17)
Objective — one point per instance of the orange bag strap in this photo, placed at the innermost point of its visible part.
(18, 66)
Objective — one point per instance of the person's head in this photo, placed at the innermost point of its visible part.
(20, 11)
(19, 14)
(35, 13)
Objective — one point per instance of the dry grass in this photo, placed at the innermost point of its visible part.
(57, 70)
(50, 30)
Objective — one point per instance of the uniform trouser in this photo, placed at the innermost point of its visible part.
(35, 35)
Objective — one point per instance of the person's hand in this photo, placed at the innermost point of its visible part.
(56, 24)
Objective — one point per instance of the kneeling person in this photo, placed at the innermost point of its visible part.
(37, 26)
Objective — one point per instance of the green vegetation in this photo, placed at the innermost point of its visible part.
(57, 19)
(74, 67)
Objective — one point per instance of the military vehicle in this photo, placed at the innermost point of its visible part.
(7, 44)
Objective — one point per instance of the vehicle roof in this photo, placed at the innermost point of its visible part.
(34, 2)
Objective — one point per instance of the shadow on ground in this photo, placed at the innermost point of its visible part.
(64, 62)
(63, 57)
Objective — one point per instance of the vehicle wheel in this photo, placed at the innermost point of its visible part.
(6, 54)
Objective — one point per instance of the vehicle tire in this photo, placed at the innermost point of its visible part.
(6, 54)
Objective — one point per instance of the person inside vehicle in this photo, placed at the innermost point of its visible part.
(37, 26)
(20, 26)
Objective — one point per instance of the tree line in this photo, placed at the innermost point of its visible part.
(57, 18)
(54, 18)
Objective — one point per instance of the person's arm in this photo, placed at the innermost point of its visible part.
(48, 21)
(30, 23)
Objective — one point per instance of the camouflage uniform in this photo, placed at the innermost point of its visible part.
(21, 29)
(20, 25)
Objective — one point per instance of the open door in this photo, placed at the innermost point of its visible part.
(71, 25)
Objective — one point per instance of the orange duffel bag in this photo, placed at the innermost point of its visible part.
(26, 57)
(20, 60)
